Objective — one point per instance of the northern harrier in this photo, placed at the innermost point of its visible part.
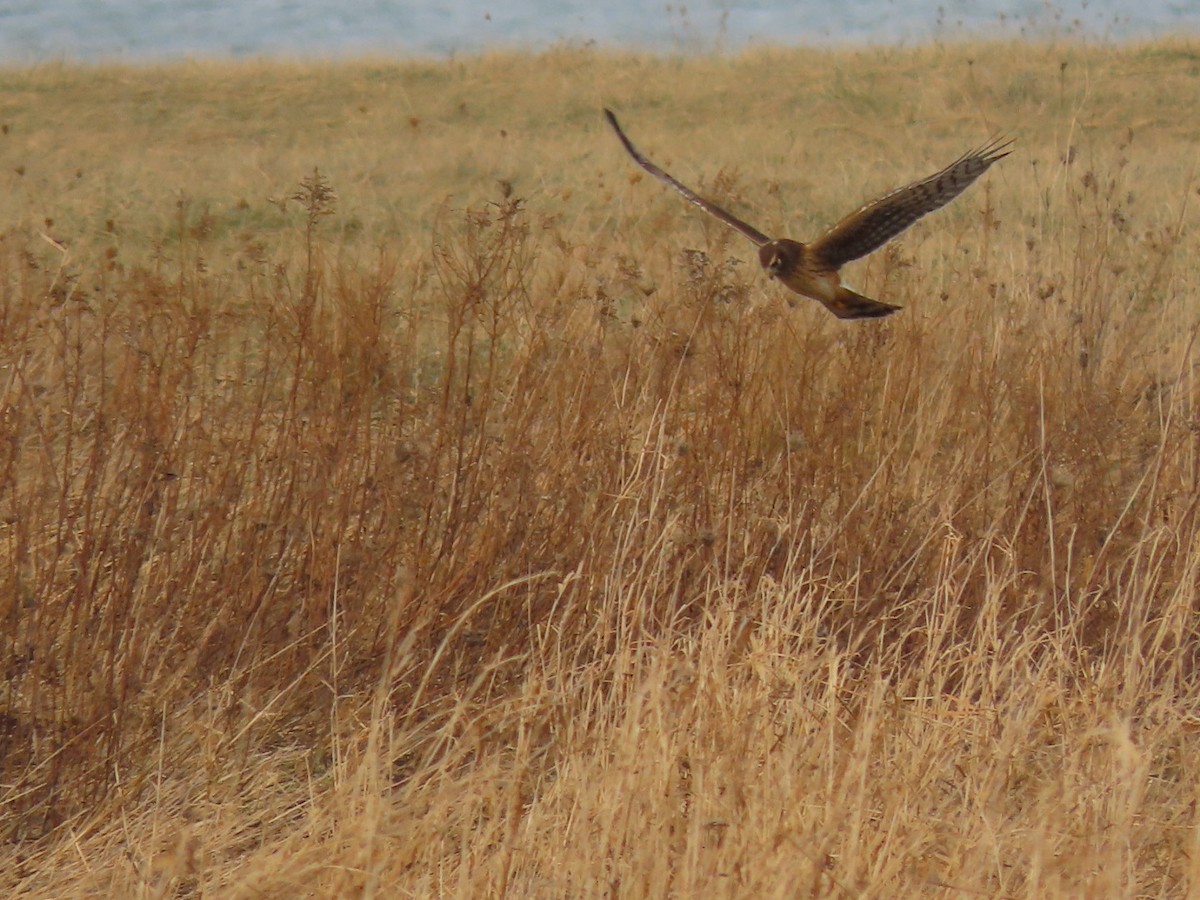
(812, 269)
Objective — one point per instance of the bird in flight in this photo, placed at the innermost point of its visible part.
(811, 270)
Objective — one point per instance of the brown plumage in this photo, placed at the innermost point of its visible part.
(812, 269)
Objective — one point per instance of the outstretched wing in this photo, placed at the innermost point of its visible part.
(708, 206)
(881, 220)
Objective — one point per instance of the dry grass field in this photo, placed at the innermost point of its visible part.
(401, 495)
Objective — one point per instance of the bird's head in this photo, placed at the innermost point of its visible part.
(780, 257)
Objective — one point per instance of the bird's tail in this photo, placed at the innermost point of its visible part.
(846, 304)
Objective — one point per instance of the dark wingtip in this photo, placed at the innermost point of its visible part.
(997, 148)
(616, 126)
(620, 132)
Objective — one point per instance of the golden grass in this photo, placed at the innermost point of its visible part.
(402, 496)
